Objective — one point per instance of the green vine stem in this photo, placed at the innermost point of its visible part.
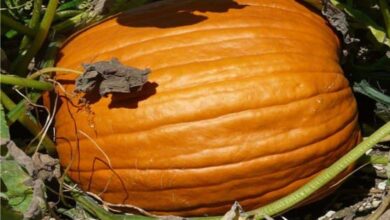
(66, 14)
(33, 24)
(22, 61)
(82, 18)
(323, 178)
(20, 108)
(29, 122)
(25, 82)
(386, 15)
(21, 28)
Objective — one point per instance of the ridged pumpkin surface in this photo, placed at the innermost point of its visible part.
(246, 102)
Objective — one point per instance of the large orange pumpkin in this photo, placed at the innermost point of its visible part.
(246, 102)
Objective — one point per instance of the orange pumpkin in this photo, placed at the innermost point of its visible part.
(246, 102)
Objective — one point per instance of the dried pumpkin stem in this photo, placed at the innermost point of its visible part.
(21, 28)
(24, 82)
(53, 69)
(323, 178)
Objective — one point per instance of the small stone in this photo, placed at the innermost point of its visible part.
(376, 203)
(382, 185)
(378, 167)
(330, 213)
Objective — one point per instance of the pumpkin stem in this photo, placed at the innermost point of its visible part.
(323, 178)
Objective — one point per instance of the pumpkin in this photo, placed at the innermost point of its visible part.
(246, 102)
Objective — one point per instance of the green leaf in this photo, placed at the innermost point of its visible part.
(365, 88)
(14, 187)
(4, 131)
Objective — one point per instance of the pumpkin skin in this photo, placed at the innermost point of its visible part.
(246, 102)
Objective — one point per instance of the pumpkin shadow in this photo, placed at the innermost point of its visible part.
(174, 13)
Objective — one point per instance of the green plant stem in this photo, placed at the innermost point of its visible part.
(29, 122)
(365, 88)
(386, 15)
(20, 108)
(323, 178)
(30, 83)
(10, 22)
(33, 24)
(21, 63)
(72, 22)
(66, 14)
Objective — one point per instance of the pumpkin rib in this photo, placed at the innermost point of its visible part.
(217, 42)
(230, 201)
(167, 61)
(127, 59)
(130, 44)
(215, 204)
(242, 181)
(229, 76)
(341, 128)
(216, 82)
(231, 58)
(251, 202)
(251, 61)
(238, 28)
(243, 56)
(337, 150)
(297, 99)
